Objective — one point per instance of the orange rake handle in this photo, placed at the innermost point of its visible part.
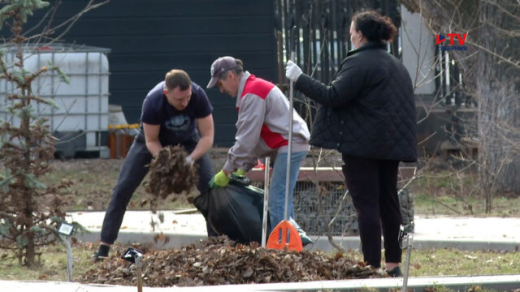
(285, 227)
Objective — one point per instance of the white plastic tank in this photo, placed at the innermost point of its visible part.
(116, 115)
(83, 102)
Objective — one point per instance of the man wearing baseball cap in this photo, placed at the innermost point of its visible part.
(262, 130)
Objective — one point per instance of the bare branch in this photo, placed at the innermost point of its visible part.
(499, 56)
(68, 24)
(501, 8)
(49, 14)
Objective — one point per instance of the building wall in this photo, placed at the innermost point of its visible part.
(418, 51)
(148, 38)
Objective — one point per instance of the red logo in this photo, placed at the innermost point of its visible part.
(452, 36)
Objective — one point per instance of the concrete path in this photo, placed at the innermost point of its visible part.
(465, 233)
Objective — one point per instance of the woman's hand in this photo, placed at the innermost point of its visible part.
(292, 72)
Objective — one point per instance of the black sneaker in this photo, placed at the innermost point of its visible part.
(101, 253)
(98, 257)
(395, 272)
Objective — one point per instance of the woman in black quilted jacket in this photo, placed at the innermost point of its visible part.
(367, 112)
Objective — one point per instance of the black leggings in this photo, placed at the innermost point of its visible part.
(132, 174)
(372, 184)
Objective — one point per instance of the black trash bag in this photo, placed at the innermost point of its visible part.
(237, 210)
(202, 203)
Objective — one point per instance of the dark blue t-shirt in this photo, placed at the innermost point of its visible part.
(176, 126)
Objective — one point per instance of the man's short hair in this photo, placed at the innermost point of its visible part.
(177, 77)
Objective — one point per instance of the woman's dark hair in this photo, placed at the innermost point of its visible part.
(374, 26)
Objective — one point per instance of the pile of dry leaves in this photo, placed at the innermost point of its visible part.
(170, 175)
(219, 260)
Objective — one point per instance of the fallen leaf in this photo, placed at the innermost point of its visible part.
(247, 273)
(221, 261)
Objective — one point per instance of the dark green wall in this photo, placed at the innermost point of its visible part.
(147, 38)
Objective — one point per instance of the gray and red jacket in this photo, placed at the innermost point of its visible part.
(263, 124)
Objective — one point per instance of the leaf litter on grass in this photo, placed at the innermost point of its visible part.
(219, 261)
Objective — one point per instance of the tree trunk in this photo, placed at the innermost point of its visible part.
(30, 251)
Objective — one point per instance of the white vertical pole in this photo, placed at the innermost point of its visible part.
(266, 201)
(292, 44)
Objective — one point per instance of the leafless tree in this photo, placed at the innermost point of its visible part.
(29, 210)
(491, 70)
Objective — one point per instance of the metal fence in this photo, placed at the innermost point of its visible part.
(323, 42)
(336, 209)
(325, 204)
(323, 31)
(336, 212)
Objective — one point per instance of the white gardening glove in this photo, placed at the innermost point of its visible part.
(189, 161)
(292, 72)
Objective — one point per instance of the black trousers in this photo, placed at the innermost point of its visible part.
(372, 184)
(132, 174)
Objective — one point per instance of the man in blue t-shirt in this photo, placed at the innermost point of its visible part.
(176, 111)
